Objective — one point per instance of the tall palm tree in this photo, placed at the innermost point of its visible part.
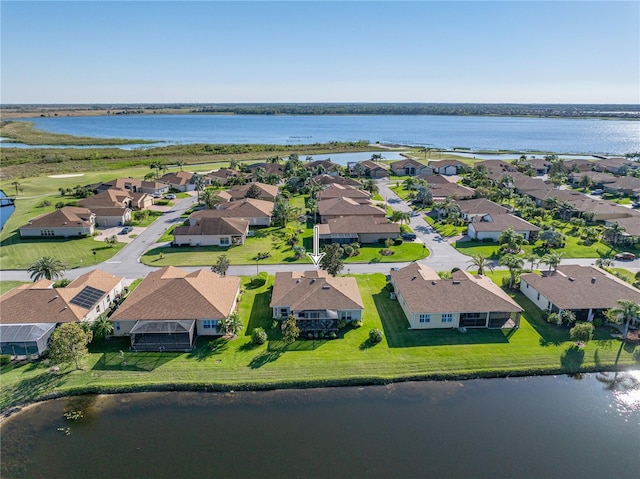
(180, 164)
(16, 184)
(511, 239)
(514, 264)
(625, 313)
(533, 259)
(613, 232)
(46, 267)
(480, 262)
(552, 260)
(370, 186)
(155, 166)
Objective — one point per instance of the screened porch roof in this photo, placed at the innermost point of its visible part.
(24, 333)
(164, 327)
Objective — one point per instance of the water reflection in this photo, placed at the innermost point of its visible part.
(625, 387)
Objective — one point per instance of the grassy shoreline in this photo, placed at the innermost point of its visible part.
(24, 132)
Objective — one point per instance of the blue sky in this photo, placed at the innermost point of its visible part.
(210, 51)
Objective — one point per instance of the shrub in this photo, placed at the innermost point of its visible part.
(310, 336)
(597, 322)
(259, 336)
(322, 334)
(342, 323)
(356, 324)
(554, 318)
(259, 280)
(388, 242)
(582, 332)
(5, 358)
(44, 203)
(348, 250)
(375, 336)
(332, 335)
(385, 252)
(397, 241)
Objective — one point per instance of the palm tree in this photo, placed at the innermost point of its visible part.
(359, 170)
(370, 186)
(233, 164)
(198, 180)
(511, 239)
(46, 267)
(210, 198)
(156, 167)
(480, 262)
(533, 259)
(552, 259)
(409, 184)
(180, 164)
(274, 159)
(102, 327)
(613, 232)
(231, 325)
(625, 314)
(400, 217)
(514, 264)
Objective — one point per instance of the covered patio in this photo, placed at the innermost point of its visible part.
(163, 335)
(21, 340)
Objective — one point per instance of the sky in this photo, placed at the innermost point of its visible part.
(329, 51)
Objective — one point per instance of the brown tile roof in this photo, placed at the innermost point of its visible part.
(310, 290)
(69, 216)
(41, 303)
(341, 191)
(237, 192)
(443, 163)
(174, 294)
(407, 162)
(503, 222)
(120, 183)
(108, 198)
(436, 179)
(247, 208)
(325, 179)
(115, 211)
(214, 227)
(347, 207)
(596, 176)
(574, 287)
(328, 165)
(424, 291)
(177, 178)
(631, 224)
(481, 206)
(451, 190)
(358, 225)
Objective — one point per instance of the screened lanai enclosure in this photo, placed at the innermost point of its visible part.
(163, 335)
(25, 339)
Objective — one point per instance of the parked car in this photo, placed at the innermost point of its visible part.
(126, 229)
(625, 256)
(157, 195)
(636, 205)
(170, 196)
(599, 191)
(408, 236)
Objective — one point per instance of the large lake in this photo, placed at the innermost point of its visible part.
(537, 427)
(577, 136)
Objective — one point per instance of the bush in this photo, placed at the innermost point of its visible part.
(385, 252)
(310, 336)
(333, 335)
(597, 322)
(342, 323)
(259, 336)
(5, 358)
(488, 240)
(259, 280)
(356, 324)
(397, 241)
(375, 336)
(322, 334)
(62, 283)
(44, 203)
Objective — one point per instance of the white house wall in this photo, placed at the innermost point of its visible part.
(538, 299)
(59, 231)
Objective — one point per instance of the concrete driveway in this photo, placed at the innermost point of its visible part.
(108, 232)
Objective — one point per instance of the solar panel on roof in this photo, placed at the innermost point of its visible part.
(87, 297)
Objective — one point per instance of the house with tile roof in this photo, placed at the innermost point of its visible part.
(446, 167)
(179, 180)
(465, 300)
(212, 232)
(316, 299)
(585, 290)
(410, 167)
(491, 226)
(479, 207)
(134, 185)
(451, 190)
(340, 191)
(372, 169)
(264, 192)
(336, 207)
(171, 307)
(66, 222)
(360, 229)
(31, 312)
(325, 180)
(257, 212)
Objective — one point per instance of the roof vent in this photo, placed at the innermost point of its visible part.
(571, 279)
(456, 282)
(297, 280)
(326, 286)
(433, 282)
(313, 280)
(413, 278)
(593, 279)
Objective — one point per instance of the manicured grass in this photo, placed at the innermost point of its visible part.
(444, 229)
(535, 347)
(7, 285)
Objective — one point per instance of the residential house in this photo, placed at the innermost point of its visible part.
(491, 227)
(212, 232)
(269, 169)
(337, 207)
(578, 165)
(410, 167)
(446, 167)
(616, 165)
(264, 192)
(631, 225)
(316, 299)
(112, 207)
(136, 186)
(221, 176)
(464, 301)
(624, 185)
(600, 210)
(539, 165)
(360, 229)
(451, 190)
(67, 222)
(31, 312)
(585, 290)
(479, 207)
(179, 180)
(107, 217)
(171, 306)
(598, 179)
(325, 180)
(328, 167)
(339, 191)
(371, 169)
(257, 212)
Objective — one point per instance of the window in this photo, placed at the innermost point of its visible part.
(210, 324)
(98, 308)
(224, 241)
(447, 317)
(345, 315)
(46, 232)
(116, 325)
(425, 318)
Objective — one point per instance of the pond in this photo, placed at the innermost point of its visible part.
(518, 427)
(6, 208)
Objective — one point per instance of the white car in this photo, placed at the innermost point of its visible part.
(170, 196)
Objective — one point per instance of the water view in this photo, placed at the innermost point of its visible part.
(519, 427)
(576, 136)
(6, 208)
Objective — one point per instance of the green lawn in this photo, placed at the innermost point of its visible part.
(535, 347)
(444, 229)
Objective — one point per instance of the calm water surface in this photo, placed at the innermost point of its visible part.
(581, 136)
(538, 427)
(6, 209)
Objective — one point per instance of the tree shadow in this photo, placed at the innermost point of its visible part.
(572, 359)
(207, 346)
(260, 316)
(265, 357)
(30, 389)
(133, 361)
